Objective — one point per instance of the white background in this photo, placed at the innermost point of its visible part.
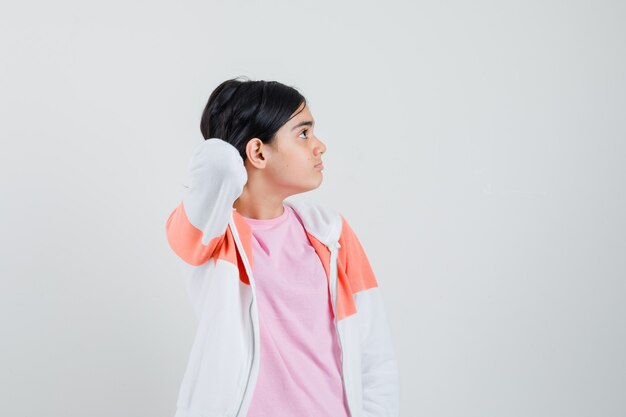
(477, 149)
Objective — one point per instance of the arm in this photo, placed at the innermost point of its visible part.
(216, 176)
(378, 362)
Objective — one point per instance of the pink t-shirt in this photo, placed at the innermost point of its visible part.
(300, 369)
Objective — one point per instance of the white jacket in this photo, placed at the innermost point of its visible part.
(214, 244)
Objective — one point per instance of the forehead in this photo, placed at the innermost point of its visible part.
(303, 115)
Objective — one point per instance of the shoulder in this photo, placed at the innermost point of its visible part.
(353, 259)
(348, 236)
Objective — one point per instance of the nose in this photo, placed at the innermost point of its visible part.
(321, 148)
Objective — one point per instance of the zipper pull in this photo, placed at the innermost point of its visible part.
(333, 245)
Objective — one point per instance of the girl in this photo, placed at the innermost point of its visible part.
(290, 316)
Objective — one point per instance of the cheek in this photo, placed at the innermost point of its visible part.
(292, 162)
(281, 170)
(292, 165)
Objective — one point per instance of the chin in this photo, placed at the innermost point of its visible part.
(318, 183)
(310, 187)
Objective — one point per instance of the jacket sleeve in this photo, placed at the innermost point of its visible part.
(216, 178)
(379, 369)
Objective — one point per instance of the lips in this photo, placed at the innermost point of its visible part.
(320, 165)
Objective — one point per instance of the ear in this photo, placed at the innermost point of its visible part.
(255, 153)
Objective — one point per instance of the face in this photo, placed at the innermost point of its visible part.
(291, 161)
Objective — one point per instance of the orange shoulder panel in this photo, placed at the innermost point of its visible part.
(186, 241)
(354, 272)
(354, 269)
(245, 234)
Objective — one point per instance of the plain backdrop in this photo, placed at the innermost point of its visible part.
(477, 149)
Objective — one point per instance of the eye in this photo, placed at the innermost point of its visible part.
(305, 130)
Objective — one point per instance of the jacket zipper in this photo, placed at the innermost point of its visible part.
(333, 269)
(251, 361)
(251, 279)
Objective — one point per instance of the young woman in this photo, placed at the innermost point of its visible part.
(290, 316)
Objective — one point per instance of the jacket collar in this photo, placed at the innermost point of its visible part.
(321, 222)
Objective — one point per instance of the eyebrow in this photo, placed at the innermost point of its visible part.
(304, 123)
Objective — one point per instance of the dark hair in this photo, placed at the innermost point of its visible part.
(240, 109)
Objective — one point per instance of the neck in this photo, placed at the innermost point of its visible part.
(256, 202)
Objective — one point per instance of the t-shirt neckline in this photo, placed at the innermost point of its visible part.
(268, 223)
